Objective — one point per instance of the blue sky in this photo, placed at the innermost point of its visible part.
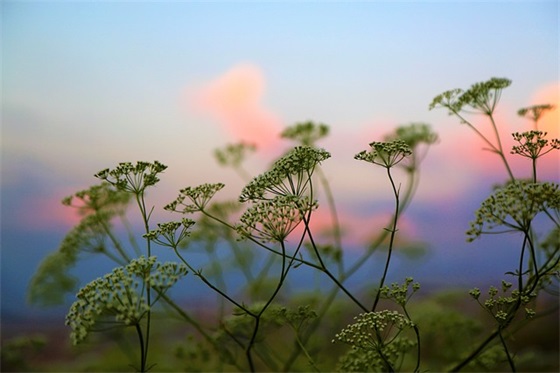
(86, 85)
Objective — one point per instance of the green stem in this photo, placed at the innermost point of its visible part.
(326, 271)
(391, 240)
(500, 148)
(146, 217)
(142, 350)
(211, 286)
(283, 274)
(418, 347)
(510, 361)
(405, 201)
(334, 215)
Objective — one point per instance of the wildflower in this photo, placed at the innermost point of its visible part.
(414, 134)
(475, 293)
(120, 295)
(306, 133)
(398, 292)
(534, 112)
(233, 154)
(289, 175)
(132, 178)
(386, 154)
(200, 196)
(274, 220)
(532, 144)
(98, 197)
(448, 99)
(372, 330)
(170, 234)
(514, 206)
(482, 97)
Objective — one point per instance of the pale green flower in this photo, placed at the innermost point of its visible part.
(274, 220)
(197, 197)
(386, 154)
(414, 134)
(532, 144)
(514, 206)
(233, 154)
(289, 175)
(171, 234)
(132, 178)
(306, 133)
(120, 296)
(480, 97)
(534, 112)
(373, 329)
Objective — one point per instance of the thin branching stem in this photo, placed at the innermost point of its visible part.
(393, 231)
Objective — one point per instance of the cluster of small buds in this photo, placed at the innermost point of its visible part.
(170, 234)
(96, 198)
(132, 178)
(198, 198)
(532, 144)
(534, 112)
(289, 175)
(448, 99)
(120, 294)
(482, 97)
(386, 154)
(414, 134)
(514, 206)
(306, 133)
(499, 305)
(273, 220)
(233, 154)
(399, 292)
(166, 275)
(369, 327)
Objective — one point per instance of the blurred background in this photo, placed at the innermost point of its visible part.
(86, 85)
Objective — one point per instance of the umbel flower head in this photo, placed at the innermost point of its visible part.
(98, 197)
(532, 144)
(372, 330)
(233, 154)
(306, 133)
(414, 134)
(480, 97)
(198, 197)
(132, 178)
(289, 176)
(534, 112)
(172, 233)
(514, 206)
(119, 297)
(386, 154)
(274, 220)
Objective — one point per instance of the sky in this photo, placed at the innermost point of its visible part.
(86, 85)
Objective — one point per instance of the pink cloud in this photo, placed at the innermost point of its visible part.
(550, 121)
(46, 212)
(234, 99)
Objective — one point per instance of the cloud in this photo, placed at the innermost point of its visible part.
(549, 94)
(48, 213)
(234, 99)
